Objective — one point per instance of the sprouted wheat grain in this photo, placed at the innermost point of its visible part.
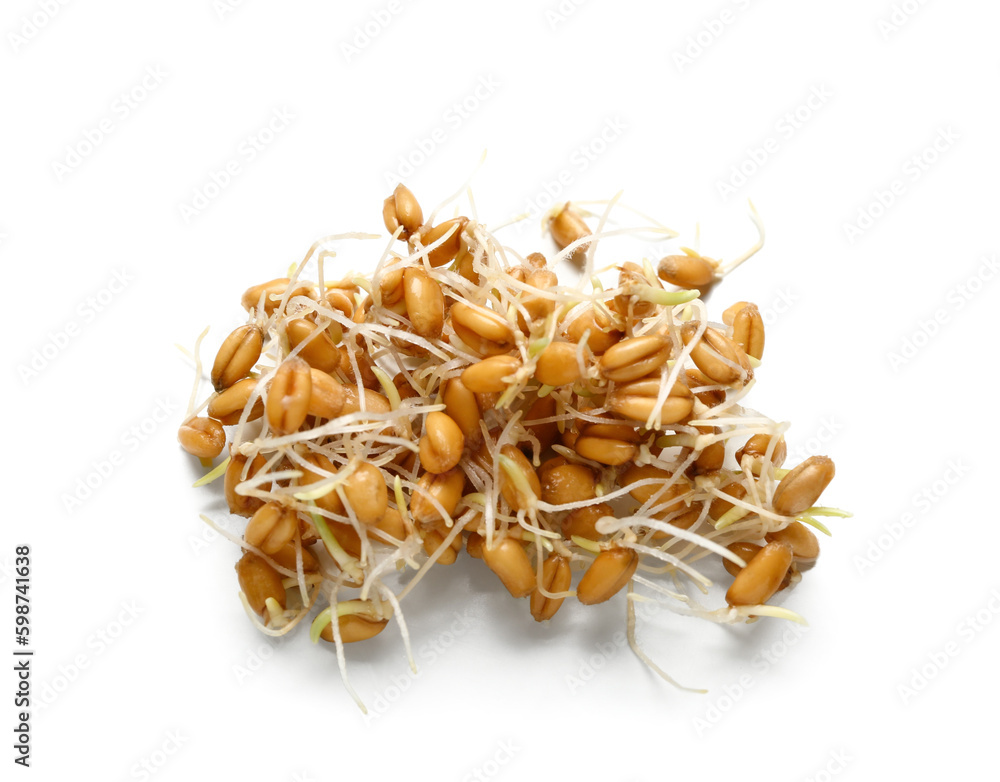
(462, 396)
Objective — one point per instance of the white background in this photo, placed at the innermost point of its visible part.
(143, 653)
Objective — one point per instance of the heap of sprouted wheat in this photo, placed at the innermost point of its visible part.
(461, 397)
